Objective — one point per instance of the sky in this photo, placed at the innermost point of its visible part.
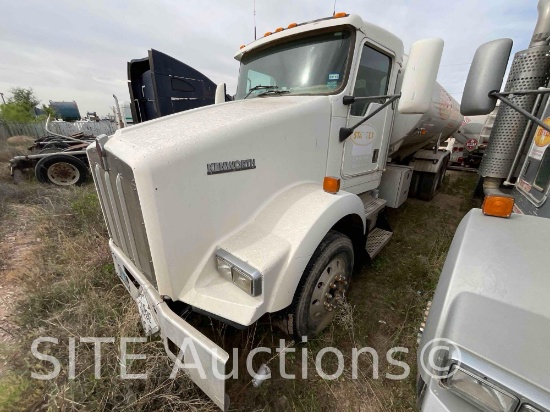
(78, 50)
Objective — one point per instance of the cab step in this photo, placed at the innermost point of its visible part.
(373, 207)
(377, 239)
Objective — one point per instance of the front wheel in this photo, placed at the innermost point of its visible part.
(324, 285)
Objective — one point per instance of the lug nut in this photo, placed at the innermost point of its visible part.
(328, 296)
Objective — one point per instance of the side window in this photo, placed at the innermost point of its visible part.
(372, 78)
(543, 175)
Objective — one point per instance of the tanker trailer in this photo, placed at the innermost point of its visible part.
(415, 141)
(469, 142)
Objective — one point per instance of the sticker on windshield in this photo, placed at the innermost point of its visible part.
(333, 84)
(333, 76)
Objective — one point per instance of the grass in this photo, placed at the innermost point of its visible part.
(70, 290)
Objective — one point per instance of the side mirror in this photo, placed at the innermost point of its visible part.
(485, 76)
(420, 76)
(220, 94)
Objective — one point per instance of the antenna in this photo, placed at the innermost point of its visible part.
(333, 9)
(254, 19)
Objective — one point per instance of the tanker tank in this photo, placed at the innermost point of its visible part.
(412, 132)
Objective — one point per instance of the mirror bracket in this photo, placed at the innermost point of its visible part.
(346, 132)
(503, 98)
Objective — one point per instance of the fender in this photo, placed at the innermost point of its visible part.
(428, 161)
(281, 239)
(494, 275)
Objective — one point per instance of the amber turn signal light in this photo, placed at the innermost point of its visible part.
(331, 184)
(500, 206)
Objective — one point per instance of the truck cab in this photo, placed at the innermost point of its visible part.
(261, 205)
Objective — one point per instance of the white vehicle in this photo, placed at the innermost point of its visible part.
(261, 204)
(483, 345)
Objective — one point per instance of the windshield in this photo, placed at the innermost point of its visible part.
(312, 65)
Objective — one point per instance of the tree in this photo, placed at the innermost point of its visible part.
(24, 97)
(20, 107)
(49, 111)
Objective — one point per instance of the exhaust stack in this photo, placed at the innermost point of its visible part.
(542, 29)
(530, 70)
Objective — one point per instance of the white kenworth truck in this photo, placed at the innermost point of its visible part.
(485, 342)
(261, 204)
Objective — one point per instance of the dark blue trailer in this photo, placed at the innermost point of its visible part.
(160, 85)
(67, 111)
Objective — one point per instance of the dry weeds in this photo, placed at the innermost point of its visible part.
(71, 290)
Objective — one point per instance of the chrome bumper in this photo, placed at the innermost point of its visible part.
(198, 349)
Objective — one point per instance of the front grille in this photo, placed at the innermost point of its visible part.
(122, 211)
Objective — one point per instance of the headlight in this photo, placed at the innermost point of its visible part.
(224, 267)
(240, 273)
(478, 391)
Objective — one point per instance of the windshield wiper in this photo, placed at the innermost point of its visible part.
(273, 91)
(259, 87)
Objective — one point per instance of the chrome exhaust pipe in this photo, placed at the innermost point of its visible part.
(542, 29)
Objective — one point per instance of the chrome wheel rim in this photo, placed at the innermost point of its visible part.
(63, 174)
(329, 293)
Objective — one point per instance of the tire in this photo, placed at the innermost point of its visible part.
(428, 186)
(61, 170)
(316, 298)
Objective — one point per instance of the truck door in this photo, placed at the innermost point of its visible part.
(362, 149)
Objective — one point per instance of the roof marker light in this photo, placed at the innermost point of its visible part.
(340, 14)
(291, 25)
(242, 46)
(278, 29)
(267, 33)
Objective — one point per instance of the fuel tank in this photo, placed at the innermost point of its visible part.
(412, 132)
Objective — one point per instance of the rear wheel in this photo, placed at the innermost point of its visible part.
(428, 185)
(324, 285)
(61, 170)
